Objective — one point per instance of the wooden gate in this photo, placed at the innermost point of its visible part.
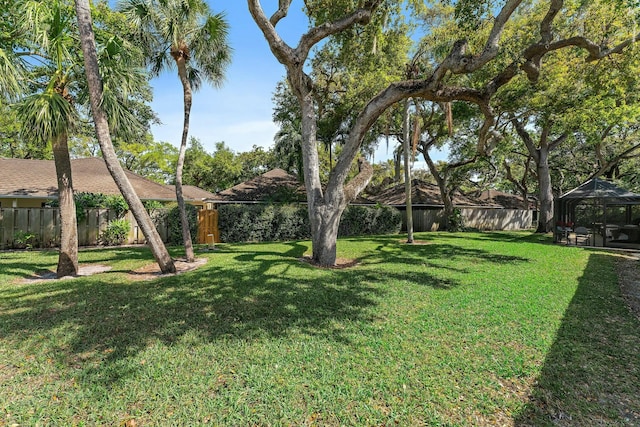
(208, 226)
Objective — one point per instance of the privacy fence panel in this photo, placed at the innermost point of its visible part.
(43, 225)
(497, 219)
(430, 219)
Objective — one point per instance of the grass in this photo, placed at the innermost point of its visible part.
(468, 329)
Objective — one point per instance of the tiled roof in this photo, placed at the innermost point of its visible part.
(275, 185)
(422, 193)
(37, 178)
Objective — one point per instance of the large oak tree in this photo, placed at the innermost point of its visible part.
(437, 83)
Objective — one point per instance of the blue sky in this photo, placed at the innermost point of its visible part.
(240, 111)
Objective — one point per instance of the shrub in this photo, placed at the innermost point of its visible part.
(115, 233)
(262, 222)
(456, 221)
(117, 204)
(24, 240)
(175, 224)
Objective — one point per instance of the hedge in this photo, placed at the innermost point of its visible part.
(271, 222)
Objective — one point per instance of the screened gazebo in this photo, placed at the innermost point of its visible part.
(598, 213)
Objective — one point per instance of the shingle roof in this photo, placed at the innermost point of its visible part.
(37, 178)
(274, 185)
(506, 200)
(422, 193)
(191, 192)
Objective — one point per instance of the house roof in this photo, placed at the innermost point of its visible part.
(506, 200)
(425, 194)
(191, 192)
(20, 178)
(275, 185)
(600, 189)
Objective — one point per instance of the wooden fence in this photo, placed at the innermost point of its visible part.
(44, 225)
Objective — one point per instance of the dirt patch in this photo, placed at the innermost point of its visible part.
(628, 268)
(148, 272)
(415, 242)
(340, 263)
(83, 270)
(152, 271)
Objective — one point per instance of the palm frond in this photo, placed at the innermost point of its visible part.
(46, 115)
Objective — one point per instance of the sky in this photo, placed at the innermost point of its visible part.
(240, 111)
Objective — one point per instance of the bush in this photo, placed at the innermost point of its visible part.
(262, 222)
(116, 232)
(456, 221)
(23, 240)
(175, 224)
(363, 220)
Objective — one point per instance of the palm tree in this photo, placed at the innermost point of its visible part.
(97, 98)
(11, 67)
(185, 35)
(49, 114)
(59, 96)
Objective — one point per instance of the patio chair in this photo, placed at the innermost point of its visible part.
(583, 236)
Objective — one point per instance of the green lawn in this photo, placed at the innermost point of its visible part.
(467, 329)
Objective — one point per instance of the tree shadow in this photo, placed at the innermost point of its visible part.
(591, 375)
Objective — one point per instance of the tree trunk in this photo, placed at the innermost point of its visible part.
(442, 185)
(545, 219)
(68, 257)
(407, 170)
(94, 81)
(324, 232)
(184, 219)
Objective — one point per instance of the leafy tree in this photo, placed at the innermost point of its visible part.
(151, 159)
(182, 34)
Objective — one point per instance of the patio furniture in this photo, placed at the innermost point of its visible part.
(583, 236)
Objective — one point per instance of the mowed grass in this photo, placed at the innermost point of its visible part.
(465, 329)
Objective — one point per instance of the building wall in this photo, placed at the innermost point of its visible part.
(430, 219)
(29, 202)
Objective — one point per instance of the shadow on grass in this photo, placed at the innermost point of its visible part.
(243, 293)
(591, 375)
(25, 264)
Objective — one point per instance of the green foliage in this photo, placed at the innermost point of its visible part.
(282, 222)
(115, 233)
(363, 220)
(116, 203)
(85, 200)
(152, 205)
(175, 224)
(24, 240)
(262, 223)
(456, 220)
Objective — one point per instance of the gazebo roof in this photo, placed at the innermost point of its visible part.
(600, 189)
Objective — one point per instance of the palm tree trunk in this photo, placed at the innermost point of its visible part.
(94, 81)
(68, 257)
(184, 219)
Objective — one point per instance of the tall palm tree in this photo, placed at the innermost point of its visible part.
(97, 97)
(183, 34)
(49, 113)
(58, 98)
